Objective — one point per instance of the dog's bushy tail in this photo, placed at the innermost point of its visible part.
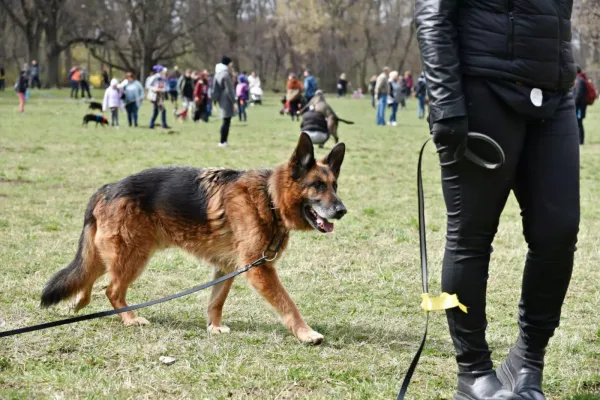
(67, 282)
(346, 121)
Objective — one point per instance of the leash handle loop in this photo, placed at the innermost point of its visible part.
(474, 158)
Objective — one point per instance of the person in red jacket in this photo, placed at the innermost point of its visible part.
(201, 98)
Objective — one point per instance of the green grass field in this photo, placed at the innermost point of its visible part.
(359, 286)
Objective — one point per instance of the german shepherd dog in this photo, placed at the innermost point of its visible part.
(223, 216)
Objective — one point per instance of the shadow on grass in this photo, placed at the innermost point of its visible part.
(336, 335)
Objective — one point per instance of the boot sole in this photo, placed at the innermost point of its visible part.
(462, 396)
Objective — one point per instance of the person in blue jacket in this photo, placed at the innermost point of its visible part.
(310, 85)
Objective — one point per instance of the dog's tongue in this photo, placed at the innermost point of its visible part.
(324, 224)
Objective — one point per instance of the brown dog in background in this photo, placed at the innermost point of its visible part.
(220, 215)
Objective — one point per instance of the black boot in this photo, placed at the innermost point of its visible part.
(522, 373)
(482, 385)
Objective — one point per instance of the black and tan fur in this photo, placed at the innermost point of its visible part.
(220, 215)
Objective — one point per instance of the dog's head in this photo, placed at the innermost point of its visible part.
(309, 199)
(104, 120)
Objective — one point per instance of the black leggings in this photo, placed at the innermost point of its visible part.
(85, 87)
(542, 168)
(295, 106)
(225, 129)
(201, 113)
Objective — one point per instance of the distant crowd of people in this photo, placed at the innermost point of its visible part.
(192, 95)
(390, 89)
(235, 91)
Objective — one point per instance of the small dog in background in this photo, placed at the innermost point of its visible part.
(181, 115)
(97, 118)
(94, 105)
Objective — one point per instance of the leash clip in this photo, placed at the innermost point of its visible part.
(267, 258)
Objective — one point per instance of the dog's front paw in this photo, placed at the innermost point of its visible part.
(308, 336)
(137, 321)
(216, 330)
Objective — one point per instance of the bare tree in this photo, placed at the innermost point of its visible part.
(25, 15)
(144, 33)
(272, 37)
(66, 23)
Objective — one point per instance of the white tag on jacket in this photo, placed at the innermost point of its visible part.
(536, 97)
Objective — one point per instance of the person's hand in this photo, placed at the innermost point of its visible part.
(450, 136)
(235, 108)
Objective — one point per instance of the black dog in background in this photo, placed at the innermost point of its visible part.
(98, 119)
(94, 105)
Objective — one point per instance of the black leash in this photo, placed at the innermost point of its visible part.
(423, 246)
(268, 255)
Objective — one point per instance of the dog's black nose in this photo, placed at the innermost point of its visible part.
(340, 211)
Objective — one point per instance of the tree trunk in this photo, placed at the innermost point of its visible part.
(143, 68)
(407, 47)
(33, 37)
(53, 51)
(89, 61)
(53, 75)
(147, 62)
(110, 65)
(68, 57)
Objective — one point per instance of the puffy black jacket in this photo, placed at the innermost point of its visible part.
(525, 41)
(314, 121)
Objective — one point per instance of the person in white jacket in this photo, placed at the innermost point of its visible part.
(157, 87)
(256, 91)
(112, 101)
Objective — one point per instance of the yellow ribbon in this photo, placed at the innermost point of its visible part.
(444, 301)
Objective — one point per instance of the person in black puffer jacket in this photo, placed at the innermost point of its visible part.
(504, 68)
(314, 124)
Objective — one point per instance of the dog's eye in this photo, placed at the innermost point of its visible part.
(319, 185)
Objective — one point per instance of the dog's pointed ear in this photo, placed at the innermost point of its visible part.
(335, 158)
(303, 158)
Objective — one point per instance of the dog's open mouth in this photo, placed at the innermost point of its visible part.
(316, 221)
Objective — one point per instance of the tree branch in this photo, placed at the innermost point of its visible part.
(105, 61)
(13, 16)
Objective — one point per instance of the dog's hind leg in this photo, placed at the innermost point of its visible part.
(95, 269)
(335, 135)
(124, 262)
(332, 126)
(215, 305)
(265, 280)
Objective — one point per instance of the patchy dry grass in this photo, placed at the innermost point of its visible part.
(358, 286)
